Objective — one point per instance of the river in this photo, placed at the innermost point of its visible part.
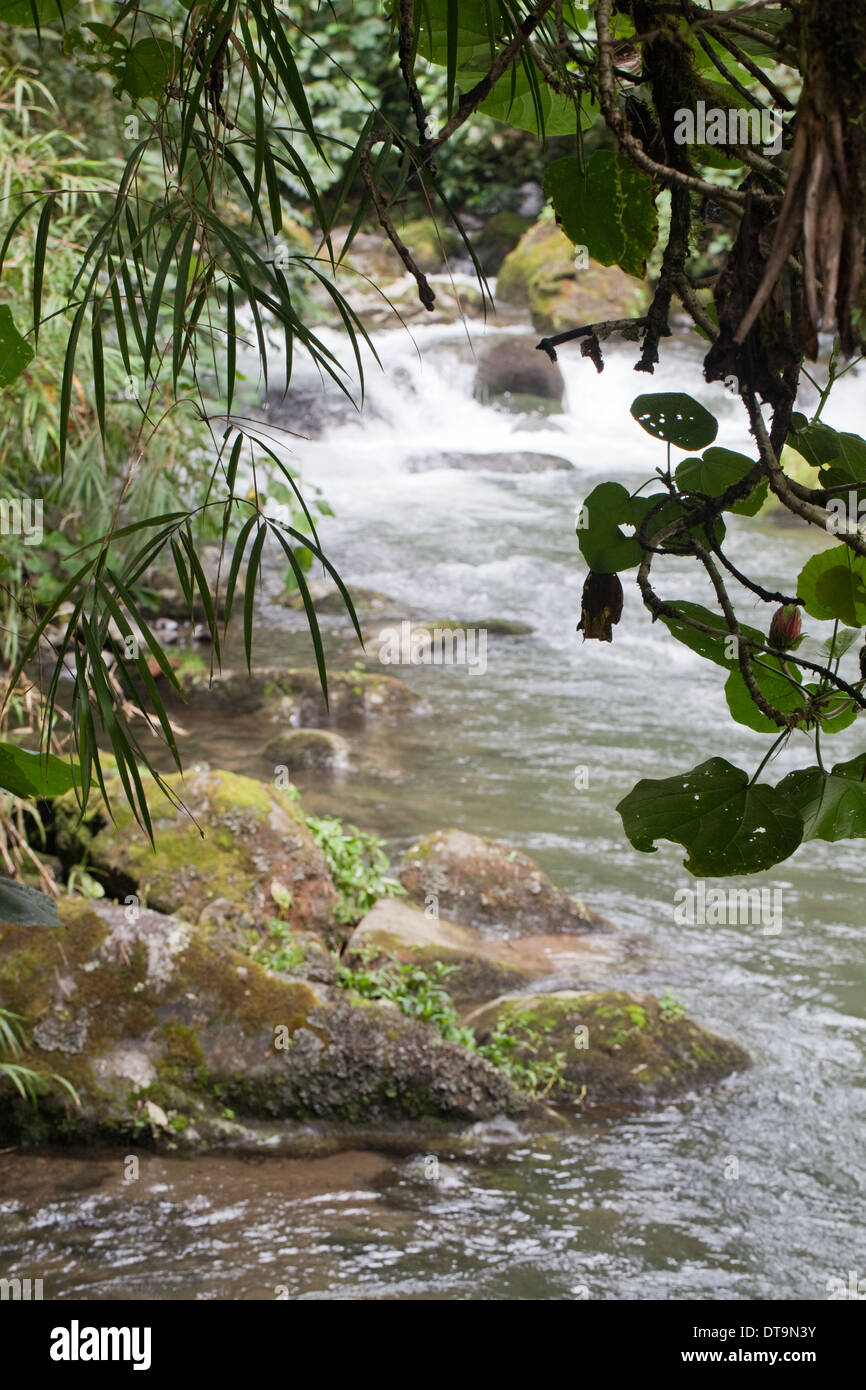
(751, 1190)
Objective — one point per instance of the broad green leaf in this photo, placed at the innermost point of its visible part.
(713, 473)
(833, 585)
(676, 418)
(33, 774)
(752, 504)
(21, 906)
(726, 826)
(713, 648)
(817, 444)
(603, 545)
(519, 107)
(832, 804)
(607, 207)
(150, 66)
(843, 591)
(16, 353)
(772, 685)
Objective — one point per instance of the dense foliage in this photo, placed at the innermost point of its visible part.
(143, 269)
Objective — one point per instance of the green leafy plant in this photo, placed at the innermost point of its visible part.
(415, 990)
(277, 950)
(510, 1049)
(670, 1007)
(28, 1083)
(357, 864)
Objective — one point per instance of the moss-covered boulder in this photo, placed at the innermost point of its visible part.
(483, 883)
(293, 696)
(170, 1037)
(513, 367)
(499, 235)
(221, 844)
(303, 749)
(541, 274)
(611, 1045)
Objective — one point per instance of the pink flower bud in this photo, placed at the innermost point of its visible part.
(785, 628)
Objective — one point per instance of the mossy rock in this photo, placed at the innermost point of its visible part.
(174, 1040)
(483, 883)
(541, 274)
(320, 750)
(429, 243)
(612, 1045)
(226, 843)
(494, 627)
(328, 600)
(293, 695)
(499, 235)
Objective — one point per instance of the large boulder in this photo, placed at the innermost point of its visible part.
(220, 844)
(612, 1045)
(541, 273)
(293, 696)
(320, 750)
(513, 367)
(168, 1036)
(484, 883)
(499, 235)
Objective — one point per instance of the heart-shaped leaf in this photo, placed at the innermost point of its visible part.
(831, 585)
(726, 825)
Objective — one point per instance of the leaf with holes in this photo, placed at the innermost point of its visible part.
(725, 825)
(676, 418)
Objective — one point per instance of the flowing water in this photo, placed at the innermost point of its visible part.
(751, 1190)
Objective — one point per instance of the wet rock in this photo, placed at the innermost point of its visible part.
(328, 600)
(293, 695)
(197, 1054)
(395, 929)
(520, 461)
(484, 883)
(612, 1045)
(541, 274)
(305, 749)
(515, 367)
(499, 235)
(216, 855)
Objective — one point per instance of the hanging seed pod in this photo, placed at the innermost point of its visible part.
(600, 606)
